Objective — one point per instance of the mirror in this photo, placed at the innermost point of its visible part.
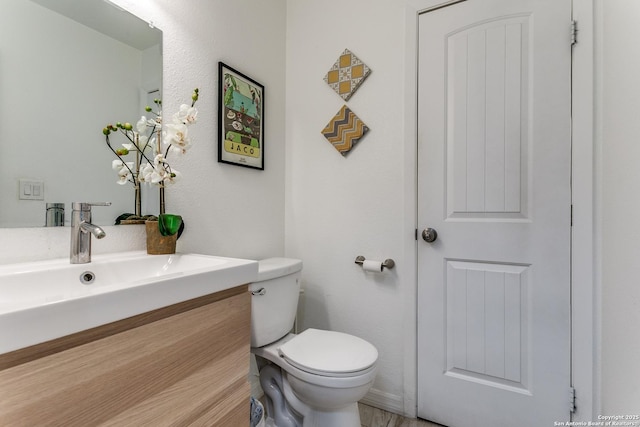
(67, 69)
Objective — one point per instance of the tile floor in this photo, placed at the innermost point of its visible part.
(374, 417)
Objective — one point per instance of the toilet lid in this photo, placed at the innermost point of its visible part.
(329, 353)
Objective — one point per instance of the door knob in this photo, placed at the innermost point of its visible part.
(429, 235)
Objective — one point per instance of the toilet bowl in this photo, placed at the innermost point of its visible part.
(312, 379)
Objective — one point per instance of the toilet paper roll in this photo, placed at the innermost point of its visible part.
(373, 266)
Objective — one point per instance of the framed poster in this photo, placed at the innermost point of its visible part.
(240, 119)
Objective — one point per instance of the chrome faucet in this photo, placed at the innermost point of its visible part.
(80, 228)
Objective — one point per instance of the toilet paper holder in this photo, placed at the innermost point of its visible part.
(387, 263)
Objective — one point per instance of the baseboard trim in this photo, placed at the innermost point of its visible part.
(383, 400)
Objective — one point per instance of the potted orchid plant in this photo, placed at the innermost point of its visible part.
(151, 142)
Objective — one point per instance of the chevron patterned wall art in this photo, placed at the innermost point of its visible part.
(344, 130)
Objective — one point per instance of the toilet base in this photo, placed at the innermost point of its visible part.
(286, 410)
(347, 417)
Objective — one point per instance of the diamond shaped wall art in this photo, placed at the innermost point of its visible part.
(347, 74)
(344, 130)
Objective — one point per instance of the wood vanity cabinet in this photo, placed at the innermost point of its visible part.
(182, 365)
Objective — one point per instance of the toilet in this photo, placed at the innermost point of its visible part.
(311, 379)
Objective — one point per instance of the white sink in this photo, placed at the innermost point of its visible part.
(44, 300)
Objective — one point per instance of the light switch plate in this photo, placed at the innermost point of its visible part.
(30, 189)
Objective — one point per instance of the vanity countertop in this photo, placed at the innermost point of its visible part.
(41, 301)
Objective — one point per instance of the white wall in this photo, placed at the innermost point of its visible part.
(341, 207)
(228, 210)
(619, 63)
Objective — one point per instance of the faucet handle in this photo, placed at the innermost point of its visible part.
(86, 206)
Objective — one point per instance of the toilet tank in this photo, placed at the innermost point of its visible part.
(274, 301)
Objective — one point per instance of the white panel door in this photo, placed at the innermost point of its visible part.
(494, 147)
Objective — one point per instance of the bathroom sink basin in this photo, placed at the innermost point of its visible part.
(44, 300)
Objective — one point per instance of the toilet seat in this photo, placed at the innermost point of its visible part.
(329, 353)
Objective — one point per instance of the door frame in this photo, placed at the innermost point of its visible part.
(585, 233)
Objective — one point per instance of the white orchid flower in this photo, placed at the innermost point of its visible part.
(142, 125)
(178, 150)
(156, 178)
(186, 115)
(156, 174)
(177, 135)
(159, 159)
(124, 173)
(145, 172)
(171, 178)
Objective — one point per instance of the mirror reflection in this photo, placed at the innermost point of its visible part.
(68, 68)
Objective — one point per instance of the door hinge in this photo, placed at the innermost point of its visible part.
(571, 219)
(416, 235)
(574, 32)
(572, 400)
